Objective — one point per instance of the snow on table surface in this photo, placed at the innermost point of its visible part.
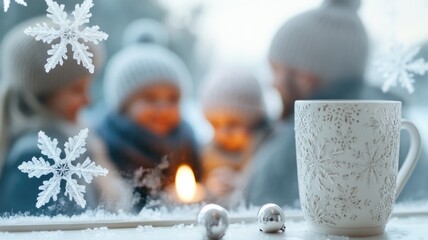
(410, 221)
(403, 228)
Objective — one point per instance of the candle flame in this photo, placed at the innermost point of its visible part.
(185, 183)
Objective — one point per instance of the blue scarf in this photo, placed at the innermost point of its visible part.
(132, 147)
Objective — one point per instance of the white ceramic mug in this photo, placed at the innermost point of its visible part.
(347, 160)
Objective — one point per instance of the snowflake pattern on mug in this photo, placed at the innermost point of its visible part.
(344, 138)
(308, 121)
(374, 161)
(319, 161)
(342, 118)
(346, 200)
(341, 115)
(334, 177)
(383, 209)
(319, 210)
(387, 127)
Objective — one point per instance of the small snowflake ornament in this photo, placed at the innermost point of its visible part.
(62, 169)
(399, 66)
(69, 33)
(6, 4)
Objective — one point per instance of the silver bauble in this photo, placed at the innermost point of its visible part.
(271, 218)
(213, 220)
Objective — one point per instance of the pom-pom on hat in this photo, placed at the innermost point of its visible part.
(329, 41)
(145, 31)
(233, 92)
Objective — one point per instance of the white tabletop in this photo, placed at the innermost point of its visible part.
(413, 227)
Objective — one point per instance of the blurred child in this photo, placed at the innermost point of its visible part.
(232, 102)
(144, 85)
(33, 100)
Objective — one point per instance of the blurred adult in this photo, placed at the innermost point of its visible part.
(318, 54)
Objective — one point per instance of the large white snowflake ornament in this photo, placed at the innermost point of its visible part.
(6, 4)
(399, 66)
(62, 169)
(69, 33)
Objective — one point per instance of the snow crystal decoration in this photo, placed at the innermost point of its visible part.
(6, 4)
(398, 66)
(62, 169)
(151, 178)
(68, 34)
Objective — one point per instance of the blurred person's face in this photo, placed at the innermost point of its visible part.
(68, 101)
(230, 132)
(155, 108)
(293, 84)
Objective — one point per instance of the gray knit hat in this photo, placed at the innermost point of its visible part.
(233, 92)
(145, 31)
(329, 41)
(138, 66)
(23, 59)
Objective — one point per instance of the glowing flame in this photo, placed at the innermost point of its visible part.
(185, 183)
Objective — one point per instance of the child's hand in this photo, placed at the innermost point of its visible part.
(221, 181)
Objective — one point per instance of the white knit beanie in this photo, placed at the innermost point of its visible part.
(233, 92)
(329, 41)
(23, 59)
(145, 60)
(141, 65)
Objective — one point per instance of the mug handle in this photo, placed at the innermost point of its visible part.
(412, 157)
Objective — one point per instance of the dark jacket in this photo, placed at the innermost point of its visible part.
(274, 173)
(133, 148)
(18, 192)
